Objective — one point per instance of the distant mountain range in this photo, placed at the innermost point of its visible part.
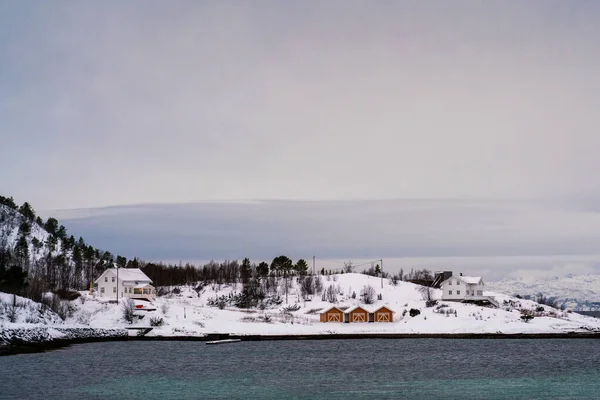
(577, 292)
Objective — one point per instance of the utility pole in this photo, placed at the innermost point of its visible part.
(117, 283)
(313, 265)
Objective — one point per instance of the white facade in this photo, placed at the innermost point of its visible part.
(132, 282)
(459, 288)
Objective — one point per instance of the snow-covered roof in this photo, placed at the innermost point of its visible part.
(469, 280)
(348, 311)
(143, 285)
(331, 308)
(128, 274)
(386, 307)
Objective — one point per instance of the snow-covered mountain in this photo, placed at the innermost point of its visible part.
(577, 292)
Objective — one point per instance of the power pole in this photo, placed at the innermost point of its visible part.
(117, 283)
(313, 265)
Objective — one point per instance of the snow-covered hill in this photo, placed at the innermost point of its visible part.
(576, 292)
(10, 222)
(20, 310)
(188, 313)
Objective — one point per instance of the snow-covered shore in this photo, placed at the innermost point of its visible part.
(188, 314)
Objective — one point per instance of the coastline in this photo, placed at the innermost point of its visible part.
(21, 347)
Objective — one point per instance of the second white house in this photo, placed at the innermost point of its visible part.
(465, 289)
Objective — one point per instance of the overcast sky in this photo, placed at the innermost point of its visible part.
(108, 103)
(117, 103)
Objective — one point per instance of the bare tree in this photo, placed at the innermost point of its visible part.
(128, 309)
(348, 267)
(427, 294)
(318, 284)
(331, 294)
(368, 294)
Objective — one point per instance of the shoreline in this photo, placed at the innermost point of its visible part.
(41, 347)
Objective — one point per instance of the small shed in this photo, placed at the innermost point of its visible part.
(356, 314)
(382, 314)
(332, 314)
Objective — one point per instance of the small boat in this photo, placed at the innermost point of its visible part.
(224, 341)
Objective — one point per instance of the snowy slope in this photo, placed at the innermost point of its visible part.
(26, 311)
(188, 314)
(9, 231)
(577, 292)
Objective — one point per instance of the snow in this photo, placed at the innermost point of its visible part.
(576, 292)
(187, 314)
(128, 274)
(471, 280)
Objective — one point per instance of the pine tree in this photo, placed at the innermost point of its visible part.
(301, 267)
(27, 211)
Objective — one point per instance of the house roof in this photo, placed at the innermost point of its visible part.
(348, 311)
(331, 308)
(386, 307)
(470, 280)
(127, 274)
(143, 285)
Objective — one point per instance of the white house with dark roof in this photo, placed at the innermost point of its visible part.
(465, 289)
(131, 283)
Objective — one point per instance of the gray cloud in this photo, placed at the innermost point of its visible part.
(112, 103)
(491, 237)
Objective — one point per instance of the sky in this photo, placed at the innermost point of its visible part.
(150, 102)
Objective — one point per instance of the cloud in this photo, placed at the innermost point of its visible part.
(111, 103)
(493, 238)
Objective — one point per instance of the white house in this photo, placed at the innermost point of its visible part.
(131, 282)
(465, 289)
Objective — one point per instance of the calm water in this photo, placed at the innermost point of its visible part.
(326, 369)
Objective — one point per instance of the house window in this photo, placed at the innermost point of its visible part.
(450, 282)
(113, 278)
(458, 282)
(114, 290)
(458, 292)
(450, 292)
(106, 279)
(101, 290)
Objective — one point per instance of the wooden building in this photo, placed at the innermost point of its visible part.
(382, 314)
(356, 314)
(332, 314)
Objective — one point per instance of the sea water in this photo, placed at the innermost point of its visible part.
(310, 369)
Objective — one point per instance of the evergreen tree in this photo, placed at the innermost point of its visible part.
(51, 226)
(12, 279)
(24, 228)
(301, 267)
(262, 269)
(27, 211)
(285, 265)
(121, 261)
(245, 271)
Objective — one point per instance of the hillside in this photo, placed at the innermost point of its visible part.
(38, 256)
(576, 292)
(188, 313)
